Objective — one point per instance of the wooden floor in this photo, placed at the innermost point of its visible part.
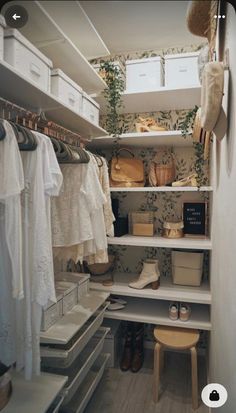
(120, 392)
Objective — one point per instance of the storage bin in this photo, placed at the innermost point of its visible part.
(113, 340)
(187, 267)
(116, 63)
(81, 279)
(90, 109)
(66, 89)
(27, 59)
(69, 292)
(144, 74)
(141, 223)
(52, 313)
(2, 26)
(181, 70)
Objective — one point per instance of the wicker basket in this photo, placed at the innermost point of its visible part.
(161, 174)
(5, 391)
(103, 268)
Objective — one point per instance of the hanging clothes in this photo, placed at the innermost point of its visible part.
(11, 274)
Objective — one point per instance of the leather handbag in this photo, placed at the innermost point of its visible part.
(126, 172)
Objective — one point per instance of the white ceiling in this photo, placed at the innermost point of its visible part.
(127, 26)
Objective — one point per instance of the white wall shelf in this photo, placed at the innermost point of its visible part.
(145, 139)
(18, 89)
(167, 290)
(35, 395)
(160, 242)
(43, 31)
(69, 324)
(164, 98)
(156, 312)
(164, 189)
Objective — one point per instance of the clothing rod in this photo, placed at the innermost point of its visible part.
(39, 121)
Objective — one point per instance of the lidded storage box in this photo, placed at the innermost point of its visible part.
(66, 89)
(187, 267)
(2, 26)
(27, 59)
(144, 74)
(181, 70)
(90, 109)
(81, 279)
(69, 291)
(52, 313)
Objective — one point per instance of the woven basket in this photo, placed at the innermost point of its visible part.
(103, 268)
(161, 174)
(5, 394)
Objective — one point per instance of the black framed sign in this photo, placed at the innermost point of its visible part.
(194, 217)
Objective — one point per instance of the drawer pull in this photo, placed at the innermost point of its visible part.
(183, 69)
(142, 74)
(35, 69)
(71, 98)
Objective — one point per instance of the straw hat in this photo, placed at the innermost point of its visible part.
(213, 117)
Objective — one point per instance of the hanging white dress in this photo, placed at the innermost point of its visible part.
(11, 275)
(42, 178)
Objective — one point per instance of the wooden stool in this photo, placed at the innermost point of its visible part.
(177, 339)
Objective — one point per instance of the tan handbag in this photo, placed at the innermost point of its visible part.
(126, 172)
(160, 173)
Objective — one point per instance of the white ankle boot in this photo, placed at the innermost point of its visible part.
(150, 275)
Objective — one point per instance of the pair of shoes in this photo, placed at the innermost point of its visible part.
(133, 353)
(150, 276)
(190, 180)
(116, 303)
(148, 125)
(181, 311)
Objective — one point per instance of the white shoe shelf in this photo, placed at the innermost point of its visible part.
(161, 242)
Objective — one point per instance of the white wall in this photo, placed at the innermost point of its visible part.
(223, 281)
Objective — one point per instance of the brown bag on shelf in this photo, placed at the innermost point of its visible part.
(126, 172)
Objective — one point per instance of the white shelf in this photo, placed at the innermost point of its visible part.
(156, 312)
(68, 325)
(18, 89)
(35, 395)
(164, 98)
(164, 189)
(43, 31)
(167, 290)
(145, 139)
(160, 242)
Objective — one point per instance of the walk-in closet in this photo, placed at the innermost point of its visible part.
(117, 206)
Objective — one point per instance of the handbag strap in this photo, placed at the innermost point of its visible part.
(124, 149)
(157, 159)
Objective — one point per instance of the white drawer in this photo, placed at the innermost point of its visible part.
(65, 89)
(79, 402)
(27, 59)
(2, 26)
(144, 74)
(181, 70)
(90, 109)
(64, 356)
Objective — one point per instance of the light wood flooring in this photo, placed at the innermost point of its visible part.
(126, 392)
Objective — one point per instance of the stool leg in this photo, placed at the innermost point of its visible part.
(161, 360)
(194, 378)
(156, 372)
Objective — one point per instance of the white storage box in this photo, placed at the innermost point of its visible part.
(2, 26)
(66, 89)
(181, 70)
(81, 279)
(90, 109)
(144, 74)
(52, 313)
(113, 341)
(27, 59)
(69, 291)
(187, 267)
(116, 63)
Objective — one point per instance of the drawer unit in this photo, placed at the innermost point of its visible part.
(90, 109)
(55, 407)
(69, 292)
(113, 340)
(27, 59)
(80, 400)
(181, 70)
(51, 314)
(81, 279)
(66, 89)
(64, 356)
(2, 26)
(144, 74)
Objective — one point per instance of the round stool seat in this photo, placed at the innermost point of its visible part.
(176, 338)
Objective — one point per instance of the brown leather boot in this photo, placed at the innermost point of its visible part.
(138, 355)
(126, 360)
